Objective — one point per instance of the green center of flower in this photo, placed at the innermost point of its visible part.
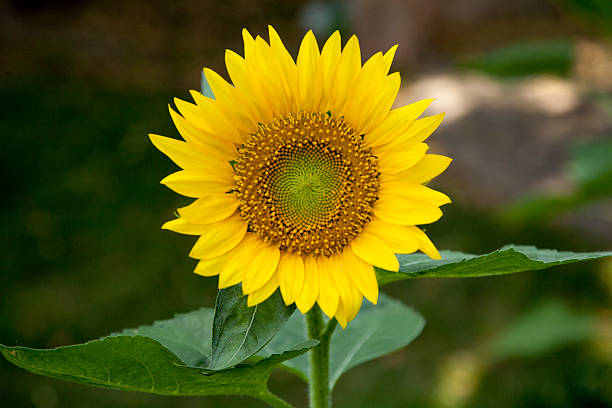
(306, 183)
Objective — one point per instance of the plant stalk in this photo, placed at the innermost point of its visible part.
(319, 394)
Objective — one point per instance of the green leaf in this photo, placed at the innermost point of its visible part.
(549, 326)
(508, 259)
(240, 331)
(137, 363)
(376, 331)
(187, 335)
(205, 86)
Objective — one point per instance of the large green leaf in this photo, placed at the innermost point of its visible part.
(376, 331)
(187, 335)
(138, 363)
(240, 331)
(509, 259)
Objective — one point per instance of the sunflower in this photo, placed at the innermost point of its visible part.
(303, 175)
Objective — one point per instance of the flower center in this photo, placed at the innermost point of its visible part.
(307, 183)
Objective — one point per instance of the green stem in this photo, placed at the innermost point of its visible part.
(273, 401)
(319, 358)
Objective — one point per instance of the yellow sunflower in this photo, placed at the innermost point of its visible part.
(303, 175)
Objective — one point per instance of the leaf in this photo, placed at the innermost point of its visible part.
(376, 331)
(138, 363)
(187, 335)
(549, 326)
(508, 259)
(205, 86)
(240, 331)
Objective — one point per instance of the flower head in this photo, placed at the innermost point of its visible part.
(304, 177)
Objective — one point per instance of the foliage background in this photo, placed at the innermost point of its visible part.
(529, 125)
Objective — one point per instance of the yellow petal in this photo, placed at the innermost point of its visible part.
(263, 293)
(328, 293)
(384, 101)
(291, 276)
(249, 43)
(193, 115)
(341, 315)
(388, 57)
(430, 166)
(397, 122)
(184, 154)
(353, 305)
(267, 72)
(394, 161)
(219, 238)
(210, 267)
(228, 98)
(391, 185)
(205, 142)
(284, 64)
(248, 89)
(261, 267)
(369, 82)
(372, 249)
(192, 183)
(351, 299)
(182, 226)
(220, 125)
(397, 210)
(309, 74)
(416, 133)
(400, 238)
(362, 274)
(346, 71)
(426, 245)
(330, 54)
(233, 271)
(211, 208)
(310, 290)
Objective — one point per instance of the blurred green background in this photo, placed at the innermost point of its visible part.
(527, 90)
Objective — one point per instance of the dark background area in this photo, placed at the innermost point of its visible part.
(527, 90)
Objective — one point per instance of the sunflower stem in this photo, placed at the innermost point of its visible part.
(319, 394)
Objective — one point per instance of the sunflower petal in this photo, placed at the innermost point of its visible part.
(328, 293)
(397, 210)
(260, 268)
(261, 294)
(310, 290)
(430, 166)
(372, 249)
(391, 185)
(363, 275)
(219, 238)
(346, 71)
(290, 276)
(426, 245)
(394, 161)
(191, 183)
(206, 143)
(397, 122)
(209, 209)
(182, 153)
(210, 267)
(309, 74)
(388, 57)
